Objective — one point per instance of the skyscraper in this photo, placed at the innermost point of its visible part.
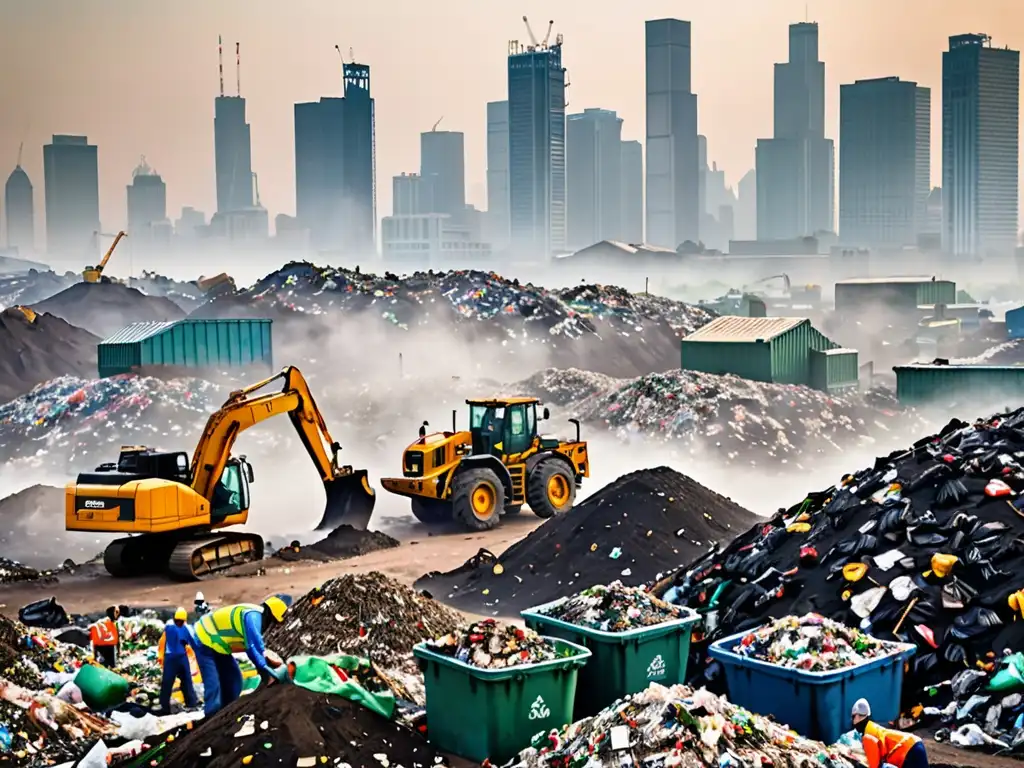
(411, 195)
(335, 167)
(20, 212)
(443, 166)
(147, 201)
(593, 177)
(632, 192)
(72, 192)
(497, 175)
(884, 162)
(980, 147)
(796, 168)
(536, 149)
(673, 175)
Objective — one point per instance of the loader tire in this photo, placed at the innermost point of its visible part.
(478, 497)
(550, 489)
(431, 511)
(513, 509)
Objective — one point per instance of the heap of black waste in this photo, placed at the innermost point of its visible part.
(926, 546)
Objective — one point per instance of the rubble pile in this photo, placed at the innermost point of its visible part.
(365, 614)
(812, 643)
(637, 527)
(489, 644)
(35, 348)
(12, 572)
(105, 308)
(612, 608)
(921, 547)
(741, 420)
(344, 541)
(32, 287)
(27, 531)
(291, 726)
(678, 726)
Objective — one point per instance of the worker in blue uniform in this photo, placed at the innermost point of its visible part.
(173, 649)
(234, 629)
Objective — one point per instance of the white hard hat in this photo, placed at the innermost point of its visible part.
(862, 708)
(199, 597)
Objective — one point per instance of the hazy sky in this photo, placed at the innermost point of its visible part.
(139, 77)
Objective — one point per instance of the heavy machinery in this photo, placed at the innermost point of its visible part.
(95, 274)
(178, 507)
(493, 469)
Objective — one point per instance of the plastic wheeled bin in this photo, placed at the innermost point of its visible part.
(494, 713)
(623, 662)
(814, 704)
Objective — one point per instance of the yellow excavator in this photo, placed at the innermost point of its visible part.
(95, 274)
(493, 469)
(177, 507)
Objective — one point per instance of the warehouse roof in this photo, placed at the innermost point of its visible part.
(139, 332)
(887, 280)
(730, 328)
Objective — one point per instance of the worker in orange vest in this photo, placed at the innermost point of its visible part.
(885, 746)
(105, 638)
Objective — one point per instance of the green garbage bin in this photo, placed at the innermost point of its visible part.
(101, 688)
(624, 662)
(494, 713)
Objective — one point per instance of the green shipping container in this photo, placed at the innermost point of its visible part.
(834, 370)
(218, 344)
(893, 292)
(940, 384)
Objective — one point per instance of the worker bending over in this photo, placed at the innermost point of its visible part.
(105, 638)
(173, 652)
(885, 746)
(229, 630)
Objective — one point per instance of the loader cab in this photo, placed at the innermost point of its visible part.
(231, 494)
(503, 427)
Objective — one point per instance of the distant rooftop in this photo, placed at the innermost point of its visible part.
(885, 280)
(745, 329)
(80, 141)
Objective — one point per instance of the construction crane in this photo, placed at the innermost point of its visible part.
(95, 274)
(437, 123)
(784, 278)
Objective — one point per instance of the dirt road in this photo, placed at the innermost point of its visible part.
(418, 554)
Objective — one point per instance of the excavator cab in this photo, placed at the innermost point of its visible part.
(231, 494)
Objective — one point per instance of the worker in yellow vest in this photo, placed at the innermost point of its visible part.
(886, 746)
(235, 629)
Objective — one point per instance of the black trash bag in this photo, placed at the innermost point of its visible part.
(74, 636)
(951, 492)
(929, 477)
(44, 614)
(952, 426)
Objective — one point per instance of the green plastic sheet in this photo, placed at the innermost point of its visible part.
(334, 674)
(1010, 676)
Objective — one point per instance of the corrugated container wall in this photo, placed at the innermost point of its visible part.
(834, 370)
(748, 360)
(1015, 323)
(916, 385)
(855, 296)
(936, 292)
(791, 353)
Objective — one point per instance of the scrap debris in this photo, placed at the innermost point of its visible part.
(612, 608)
(489, 644)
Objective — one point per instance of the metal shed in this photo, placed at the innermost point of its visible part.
(1015, 323)
(771, 349)
(896, 293)
(921, 384)
(210, 344)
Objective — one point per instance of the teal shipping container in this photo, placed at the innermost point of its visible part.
(895, 293)
(834, 370)
(199, 344)
(938, 384)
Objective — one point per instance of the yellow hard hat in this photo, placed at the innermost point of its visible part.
(277, 607)
(180, 615)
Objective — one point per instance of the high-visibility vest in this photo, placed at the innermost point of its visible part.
(222, 630)
(884, 745)
(103, 633)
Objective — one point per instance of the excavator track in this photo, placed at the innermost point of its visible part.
(197, 559)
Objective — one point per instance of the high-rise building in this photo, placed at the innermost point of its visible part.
(497, 174)
(72, 193)
(884, 162)
(593, 178)
(632, 192)
(443, 166)
(232, 154)
(673, 173)
(745, 219)
(335, 167)
(147, 201)
(412, 195)
(536, 151)
(19, 209)
(980, 147)
(796, 168)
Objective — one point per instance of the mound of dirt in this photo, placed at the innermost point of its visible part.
(344, 541)
(642, 524)
(37, 350)
(105, 308)
(32, 530)
(300, 724)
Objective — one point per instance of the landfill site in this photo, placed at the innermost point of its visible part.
(504, 524)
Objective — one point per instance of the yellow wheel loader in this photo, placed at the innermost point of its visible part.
(177, 507)
(493, 469)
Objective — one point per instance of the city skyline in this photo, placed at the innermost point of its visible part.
(280, 68)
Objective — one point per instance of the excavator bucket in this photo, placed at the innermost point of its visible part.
(350, 501)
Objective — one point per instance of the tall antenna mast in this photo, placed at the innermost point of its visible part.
(238, 68)
(220, 63)
(20, 147)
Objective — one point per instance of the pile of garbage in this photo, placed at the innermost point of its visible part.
(366, 614)
(12, 572)
(37, 347)
(678, 726)
(490, 644)
(920, 547)
(612, 608)
(742, 421)
(643, 524)
(812, 643)
(105, 308)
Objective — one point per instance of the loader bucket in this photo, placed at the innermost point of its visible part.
(350, 501)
